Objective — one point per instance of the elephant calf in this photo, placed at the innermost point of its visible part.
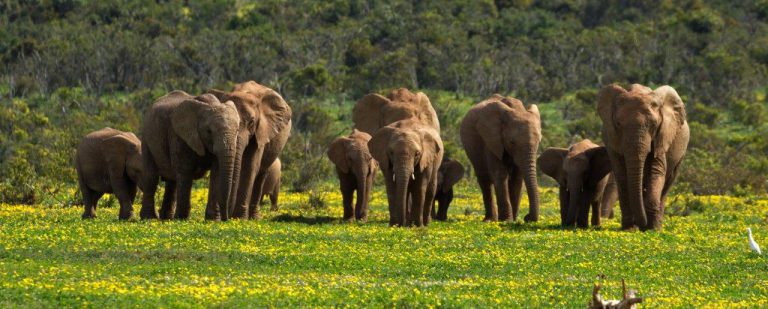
(449, 173)
(271, 186)
(108, 161)
(582, 173)
(356, 169)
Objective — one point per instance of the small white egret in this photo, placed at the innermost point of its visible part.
(752, 244)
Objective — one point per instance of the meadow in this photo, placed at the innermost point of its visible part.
(304, 255)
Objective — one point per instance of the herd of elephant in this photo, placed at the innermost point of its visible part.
(238, 135)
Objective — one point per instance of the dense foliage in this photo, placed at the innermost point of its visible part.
(68, 67)
(306, 257)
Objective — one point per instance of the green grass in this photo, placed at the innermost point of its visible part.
(304, 256)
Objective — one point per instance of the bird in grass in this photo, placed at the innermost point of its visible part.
(752, 244)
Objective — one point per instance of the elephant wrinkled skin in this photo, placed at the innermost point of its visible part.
(356, 169)
(182, 138)
(501, 139)
(108, 161)
(646, 134)
(272, 182)
(449, 173)
(582, 172)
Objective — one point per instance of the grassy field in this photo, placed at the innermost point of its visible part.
(305, 255)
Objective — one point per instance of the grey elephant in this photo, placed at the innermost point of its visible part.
(272, 184)
(409, 153)
(582, 172)
(108, 161)
(646, 135)
(449, 173)
(356, 170)
(182, 138)
(501, 138)
(265, 125)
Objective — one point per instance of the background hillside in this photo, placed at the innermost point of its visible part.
(70, 67)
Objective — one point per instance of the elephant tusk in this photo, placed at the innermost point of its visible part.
(393, 178)
(413, 176)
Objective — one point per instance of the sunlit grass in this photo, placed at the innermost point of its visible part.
(305, 255)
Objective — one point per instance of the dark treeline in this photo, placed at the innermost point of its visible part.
(69, 67)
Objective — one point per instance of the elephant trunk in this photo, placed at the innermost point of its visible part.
(635, 168)
(362, 194)
(236, 174)
(574, 202)
(402, 173)
(226, 161)
(531, 185)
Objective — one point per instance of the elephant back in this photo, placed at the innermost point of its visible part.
(374, 111)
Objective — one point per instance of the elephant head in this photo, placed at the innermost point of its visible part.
(450, 172)
(124, 149)
(265, 124)
(208, 126)
(409, 154)
(374, 111)
(640, 124)
(581, 171)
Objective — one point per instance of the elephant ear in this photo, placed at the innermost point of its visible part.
(184, 121)
(605, 102)
(452, 172)
(490, 127)
(275, 117)
(551, 162)
(599, 163)
(672, 111)
(337, 152)
(366, 115)
(117, 149)
(377, 146)
(431, 148)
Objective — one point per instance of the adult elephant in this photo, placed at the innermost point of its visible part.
(374, 111)
(501, 138)
(182, 138)
(409, 153)
(450, 172)
(356, 169)
(582, 172)
(646, 134)
(264, 130)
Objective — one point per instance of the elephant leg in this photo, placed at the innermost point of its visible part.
(183, 196)
(150, 180)
(653, 192)
(418, 189)
(254, 209)
(347, 186)
(610, 195)
(596, 213)
(211, 207)
(564, 203)
(515, 190)
(619, 167)
(582, 218)
(671, 176)
(443, 203)
(90, 199)
(500, 179)
(484, 182)
(429, 200)
(121, 187)
(390, 186)
(169, 200)
(273, 197)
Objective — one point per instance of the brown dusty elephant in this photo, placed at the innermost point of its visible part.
(356, 169)
(374, 111)
(610, 196)
(582, 172)
(501, 139)
(449, 173)
(409, 154)
(108, 161)
(265, 125)
(646, 134)
(271, 186)
(182, 138)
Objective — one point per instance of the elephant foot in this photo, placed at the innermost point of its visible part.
(531, 218)
(88, 216)
(125, 217)
(629, 228)
(148, 216)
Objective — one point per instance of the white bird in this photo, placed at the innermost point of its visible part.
(752, 244)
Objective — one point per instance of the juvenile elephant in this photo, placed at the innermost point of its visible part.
(449, 173)
(646, 134)
(108, 161)
(356, 169)
(272, 184)
(265, 125)
(582, 172)
(409, 153)
(501, 139)
(182, 138)
(374, 111)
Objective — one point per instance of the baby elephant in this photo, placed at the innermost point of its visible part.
(356, 169)
(272, 184)
(449, 173)
(108, 161)
(582, 172)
